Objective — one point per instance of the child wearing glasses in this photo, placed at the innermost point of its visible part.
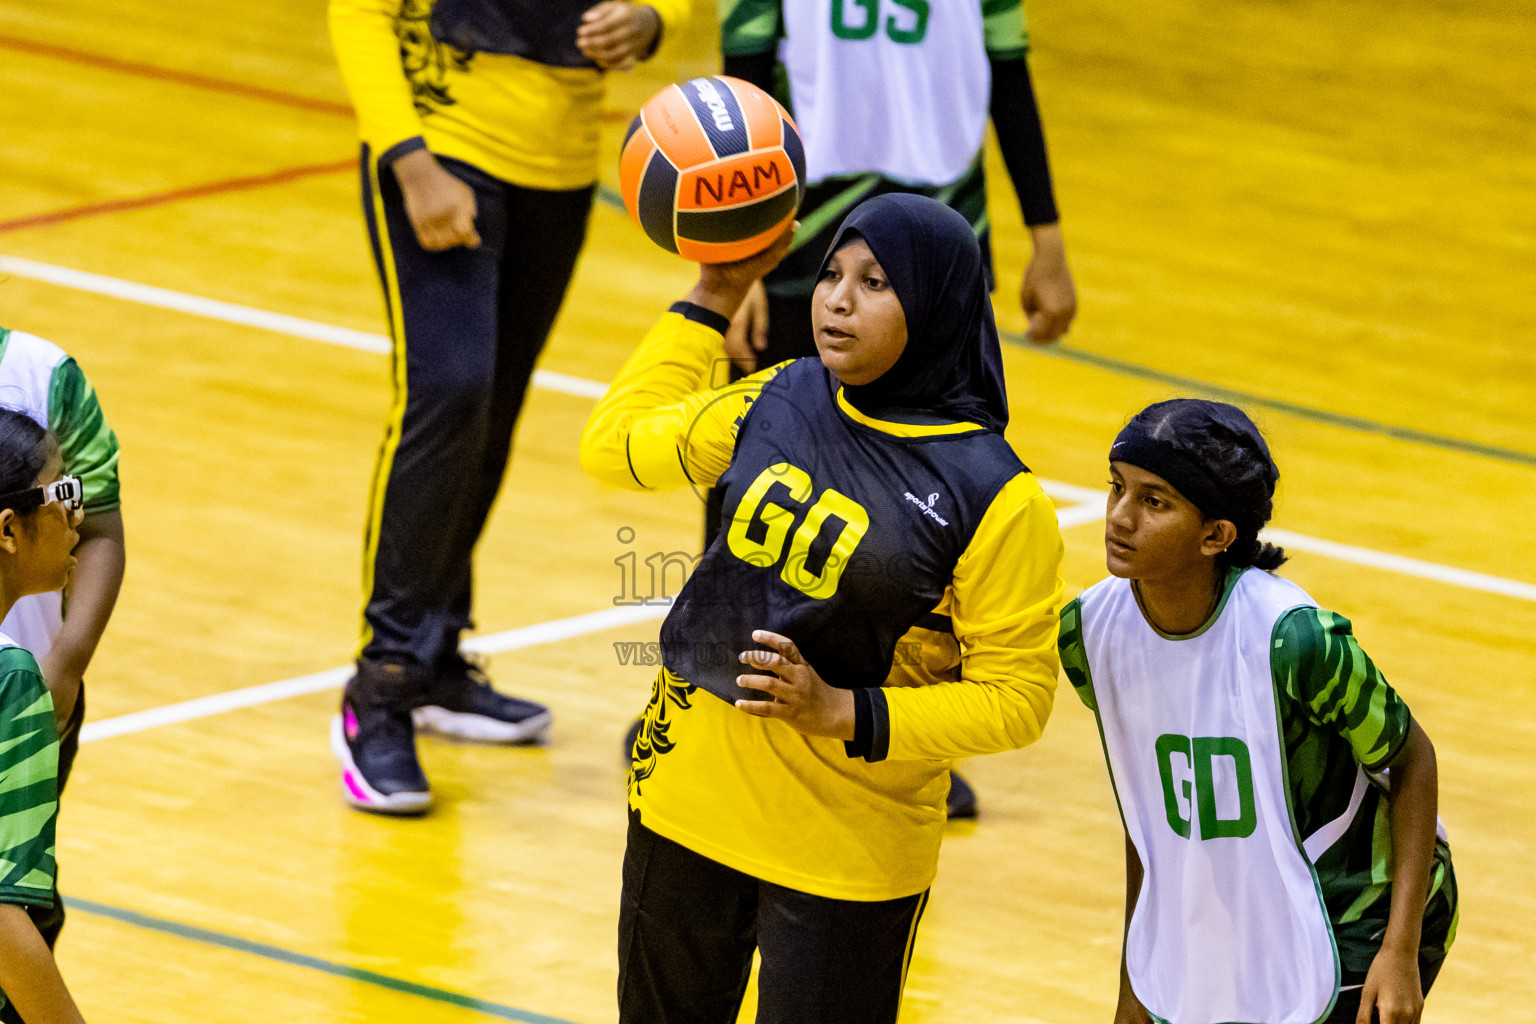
(40, 380)
(40, 512)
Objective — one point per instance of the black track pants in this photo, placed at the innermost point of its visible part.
(468, 325)
(688, 927)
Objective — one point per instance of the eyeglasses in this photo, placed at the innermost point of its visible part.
(66, 490)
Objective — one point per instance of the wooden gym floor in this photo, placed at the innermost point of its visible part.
(1324, 208)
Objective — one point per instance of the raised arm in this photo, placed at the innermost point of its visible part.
(659, 425)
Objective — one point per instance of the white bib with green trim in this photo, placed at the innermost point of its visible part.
(26, 375)
(896, 87)
(1230, 924)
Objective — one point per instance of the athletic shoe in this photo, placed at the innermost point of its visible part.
(961, 802)
(461, 705)
(373, 739)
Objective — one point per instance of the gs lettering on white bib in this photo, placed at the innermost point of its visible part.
(1230, 924)
(897, 87)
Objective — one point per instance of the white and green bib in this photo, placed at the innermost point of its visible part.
(896, 87)
(1230, 925)
(26, 376)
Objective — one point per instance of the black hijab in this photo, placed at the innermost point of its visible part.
(952, 366)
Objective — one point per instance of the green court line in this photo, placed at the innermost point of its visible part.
(211, 938)
(1332, 419)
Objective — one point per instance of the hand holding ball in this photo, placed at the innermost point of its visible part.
(713, 169)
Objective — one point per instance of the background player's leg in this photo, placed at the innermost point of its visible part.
(545, 231)
(443, 312)
(831, 961)
(687, 929)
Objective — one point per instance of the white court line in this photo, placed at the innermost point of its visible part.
(212, 309)
(1092, 508)
(1091, 498)
(248, 316)
(1403, 564)
(493, 643)
(1086, 508)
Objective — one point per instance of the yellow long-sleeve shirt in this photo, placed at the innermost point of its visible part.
(755, 794)
(527, 123)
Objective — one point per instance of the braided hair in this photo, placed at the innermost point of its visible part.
(1217, 458)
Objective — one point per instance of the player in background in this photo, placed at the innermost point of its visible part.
(873, 500)
(62, 631)
(40, 510)
(480, 122)
(1262, 765)
(894, 95)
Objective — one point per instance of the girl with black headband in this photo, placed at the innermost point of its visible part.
(1284, 863)
(880, 601)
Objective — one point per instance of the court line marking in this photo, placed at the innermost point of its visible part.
(314, 963)
(316, 331)
(1091, 508)
(104, 62)
(212, 188)
(129, 67)
(265, 693)
(249, 316)
(584, 388)
(1305, 412)
(492, 643)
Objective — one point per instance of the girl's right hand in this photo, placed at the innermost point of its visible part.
(723, 286)
(441, 208)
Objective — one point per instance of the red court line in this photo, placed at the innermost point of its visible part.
(129, 67)
(255, 92)
(212, 188)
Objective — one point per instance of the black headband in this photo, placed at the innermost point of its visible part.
(1135, 447)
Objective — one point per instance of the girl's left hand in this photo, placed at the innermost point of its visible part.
(801, 698)
(1392, 987)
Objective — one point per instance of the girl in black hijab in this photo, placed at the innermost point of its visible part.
(880, 601)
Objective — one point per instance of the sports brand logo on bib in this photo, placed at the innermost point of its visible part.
(1207, 776)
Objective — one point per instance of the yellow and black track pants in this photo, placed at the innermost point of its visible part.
(468, 326)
